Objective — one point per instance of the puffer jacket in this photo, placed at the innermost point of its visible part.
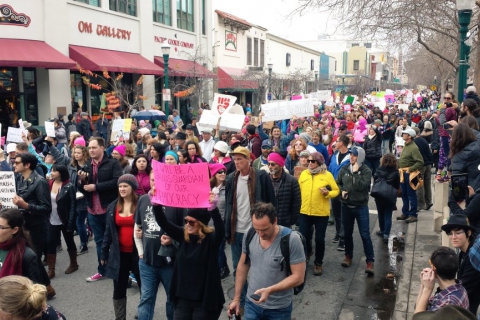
(313, 202)
(467, 161)
(373, 147)
(356, 184)
(66, 204)
(287, 200)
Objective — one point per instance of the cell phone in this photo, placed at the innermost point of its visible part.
(460, 186)
(255, 297)
(446, 126)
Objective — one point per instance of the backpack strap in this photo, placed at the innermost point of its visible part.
(248, 239)
(285, 248)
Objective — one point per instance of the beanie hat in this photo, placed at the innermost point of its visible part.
(173, 154)
(306, 137)
(181, 136)
(120, 149)
(305, 153)
(319, 157)
(201, 215)
(80, 141)
(221, 146)
(215, 168)
(427, 125)
(277, 158)
(130, 179)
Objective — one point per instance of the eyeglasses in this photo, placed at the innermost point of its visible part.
(191, 223)
(455, 233)
(298, 144)
(312, 161)
(18, 162)
(4, 228)
(221, 172)
(447, 98)
(272, 164)
(266, 148)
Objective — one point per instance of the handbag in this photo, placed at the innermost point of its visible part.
(381, 190)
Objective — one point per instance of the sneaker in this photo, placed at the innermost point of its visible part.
(369, 268)
(379, 233)
(224, 272)
(132, 277)
(429, 206)
(83, 249)
(336, 239)
(317, 270)
(341, 247)
(59, 248)
(411, 219)
(97, 276)
(402, 217)
(347, 262)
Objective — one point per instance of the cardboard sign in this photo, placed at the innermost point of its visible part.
(50, 129)
(282, 110)
(209, 119)
(7, 189)
(268, 125)
(221, 103)
(236, 109)
(14, 135)
(324, 95)
(404, 107)
(232, 122)
(297, 97)
(185, 186)
(121, 129)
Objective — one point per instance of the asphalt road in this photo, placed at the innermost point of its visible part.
(340, 293)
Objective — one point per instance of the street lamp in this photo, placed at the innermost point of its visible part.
(270, 67)
(166, 53)
(464, 8)
(316, 77)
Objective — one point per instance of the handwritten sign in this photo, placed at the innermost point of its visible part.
(232, 122)
(209, 119)
(14, 135)
(185, 186)
(286, 109)
(7, 189)
(50, 129)
(404, 107)
(221, 103)
(324, 95)
(121, 129)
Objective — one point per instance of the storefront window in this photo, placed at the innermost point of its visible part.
(124, 6)
(95, 3)
(185, 15)
(77, 92)
(30, 101)
(162, 12)
(9, 97)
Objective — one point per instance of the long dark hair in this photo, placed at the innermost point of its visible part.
(461, 137)
(63, 170)
(15, 219)
(121, 202)
(134, 170)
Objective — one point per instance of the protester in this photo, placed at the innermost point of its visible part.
(262, 161)
(221, 155)
(254, 141)
(373, 149)
(141, 169)
(465, 152)
(195, 154)
(84, 127)
(182, 155)
(118, 153)
(207, 144)
(424, 192)
(293, 156)
(447, 113)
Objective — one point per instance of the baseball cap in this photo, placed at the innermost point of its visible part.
(189, 127)
(11, 147)
(410, 132)
(471, 89)
(207, 130)
(243, 151)
(266, 144)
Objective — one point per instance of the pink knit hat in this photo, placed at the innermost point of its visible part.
(215, 168)
(80, 141)
(277, 158)
(120, 149)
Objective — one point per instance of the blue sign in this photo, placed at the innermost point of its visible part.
(269, 96)
(324, 66)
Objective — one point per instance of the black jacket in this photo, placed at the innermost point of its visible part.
(470, 278)
(467, 161)
(389, 174)
(424, 148)
(84, 128)
(109, 171)
(36, 192)
(66, 205)
(288, 200)
(471, 209)
(30, 266)
(373, 147)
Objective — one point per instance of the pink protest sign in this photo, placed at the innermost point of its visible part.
(298, 97)
(181, 186)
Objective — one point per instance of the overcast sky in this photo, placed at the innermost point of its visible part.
(271, 14)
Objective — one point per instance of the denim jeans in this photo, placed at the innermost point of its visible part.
(320, 223)
(98, 223)
(385, 147)
(385, 211)
(256, 312)
(409, 197)
(81, 228)
(222, 257)
(151, 278)
(373, 164)
(349, 215)
(236, 253)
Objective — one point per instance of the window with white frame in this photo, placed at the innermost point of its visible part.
(249, 51)
(125, 6)
(255, 52)
(162, 11)
(185, 19)
(95, 3)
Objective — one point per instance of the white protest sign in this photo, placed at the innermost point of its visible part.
(324, 95)
(404, 107)
(209, 119)
(236, 109)
(121, 129)
(7, 189)
(22, 127)
(14, 135)
(231, 121)
(50, 129)
(221, 103)
(409, 97)
(282, 110)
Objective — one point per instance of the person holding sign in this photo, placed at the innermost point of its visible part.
(194, 152)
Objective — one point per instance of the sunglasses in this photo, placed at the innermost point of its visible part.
(272, 164)
(191, 223)
(266, 148)
(221, 172)
(299, 144)
(312, 161)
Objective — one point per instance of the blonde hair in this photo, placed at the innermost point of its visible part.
(21, 298)
(201, 232)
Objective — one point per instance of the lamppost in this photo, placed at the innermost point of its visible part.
(270, 67)
(343, 83)
(464, 8)
(166, 53)
(316, 77)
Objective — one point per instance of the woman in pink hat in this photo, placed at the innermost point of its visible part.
(119, 154)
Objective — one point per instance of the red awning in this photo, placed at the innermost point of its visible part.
(185, 68)
(32, 54)
(231, 78)
(114, 61)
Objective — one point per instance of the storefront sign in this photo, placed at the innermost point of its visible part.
(174, 42)
(9, 17)
(105, 31)
(230, 40)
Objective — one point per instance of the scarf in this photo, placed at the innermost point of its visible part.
(318, 169)
(14, 260)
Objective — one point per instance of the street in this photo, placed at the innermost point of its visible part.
(340, 293)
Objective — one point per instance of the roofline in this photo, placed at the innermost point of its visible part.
(288, 42)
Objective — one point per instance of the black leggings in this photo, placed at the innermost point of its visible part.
(192, 310)
(127, 264)
(54, 234)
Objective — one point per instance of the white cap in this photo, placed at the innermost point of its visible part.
(410, 132)
(207, 130)
(11, 147)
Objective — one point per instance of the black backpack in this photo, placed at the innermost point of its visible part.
(285, 249)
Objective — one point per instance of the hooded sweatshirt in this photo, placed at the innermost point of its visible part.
(357, 184)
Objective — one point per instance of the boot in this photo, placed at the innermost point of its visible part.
(50, 292)
(120, 308)
(73, 262)
(51, 260)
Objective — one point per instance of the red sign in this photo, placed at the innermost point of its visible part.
(230, 40)
(105, 31)
(174, 42)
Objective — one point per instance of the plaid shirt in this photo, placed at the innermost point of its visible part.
(474, 254)
(455, 295)
(96, 207)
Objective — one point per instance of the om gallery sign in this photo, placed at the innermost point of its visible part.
(230, 40)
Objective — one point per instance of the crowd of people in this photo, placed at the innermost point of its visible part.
(287, 182)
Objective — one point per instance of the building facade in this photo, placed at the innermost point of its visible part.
(119, 36)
